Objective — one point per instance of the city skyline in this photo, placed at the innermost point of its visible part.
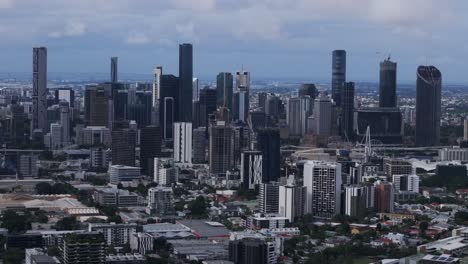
(227, 37)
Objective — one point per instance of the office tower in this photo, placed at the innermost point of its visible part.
(160, 201)
(297, 114)
(140, 109)
(184, 96)
(27, 165)
(224, 90)
(122, 173)
(323, 183)
(56, 135)
(252, 251)
(120, 101)
(291, 201)
(39, 92)
(199, 145)
(396, 166)
(338, 74)
(384, 197)
(195, 89)
(243, 91)
(65, 122)
(347, 105)
(322, 116)
(465, 129)
(123, 147)
(269, 144)
(183, 142)
(221, 155)
(251, 169)
(98, 106)
(88, 247)
(273, 106)
(386, 124)
(268, 198)
(114, 69)
(150, 146)
(428, 104)
(261, 103)
(165, 173)
(388, 84)
(157, 73)
(100, 157)
(207, 105)
(406, 183)
(356, 197)
(308, 89)
(94, 136)
(167, 104)
(258, 120)
(18, 127)
(65, 94)
(116, 235)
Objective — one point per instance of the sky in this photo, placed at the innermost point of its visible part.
(283, 39)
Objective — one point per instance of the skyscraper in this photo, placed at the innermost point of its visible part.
(221, 148)
(114, 69)
(251, 169)
(97, 106)
(207, 105)
(83, 248)
(199, 145)
(308, 89)
(269, 144)
(243, 92)
(323, 183)
(39, 93)
(184, 96)
(123, 147)
(195, 89)
(322, 116)
(291, 201)
(65, 122)
(183, 142)
(338, 74)
(224, 90)
(268, 198)
(347, 105)
(388, 83)
(356, 200)
(150, 146)
(428, 104)
(297, 114)
(384, 197)
(169, 84)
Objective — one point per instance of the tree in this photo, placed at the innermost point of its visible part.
(423, 226)
(198, 207)
(461, 217)
(15, 223)
(67, 223)
(115, 219)
(13, 256)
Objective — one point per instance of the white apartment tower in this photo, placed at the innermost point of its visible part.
(183, 142)
(323, 183)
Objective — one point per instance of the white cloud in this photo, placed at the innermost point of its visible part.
(137, 39)
(71, 29)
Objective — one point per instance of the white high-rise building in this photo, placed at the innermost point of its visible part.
(291, 201)
(165, 173)
(65, 122)
(323, 183)
(297, 114)
(157, 72)
(406, 183)
(56, 136)
(323, 116)
(39, 93)
(195, 89)
(183, 142)
(160, 201)
(358, 198)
